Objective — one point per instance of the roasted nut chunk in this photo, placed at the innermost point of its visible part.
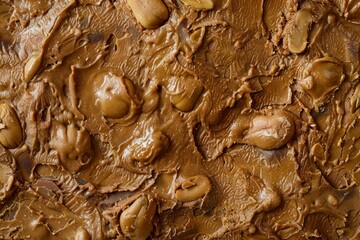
(115, 95)
(187, 94)
(145, 149)
(73, 145)
(299, 33)
(193, 188)
(32, 66)
(199, 4)
(150, 13)
(136, 222)
(270, 132)
(322, 77)
(10, 129)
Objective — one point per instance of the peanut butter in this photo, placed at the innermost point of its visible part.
(179, 119)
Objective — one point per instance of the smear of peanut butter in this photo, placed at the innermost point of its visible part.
(196, 119)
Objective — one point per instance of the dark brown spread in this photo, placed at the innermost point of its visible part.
(179, 119)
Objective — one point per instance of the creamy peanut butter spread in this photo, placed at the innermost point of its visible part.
(179, 119)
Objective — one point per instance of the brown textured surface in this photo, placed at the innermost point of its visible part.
(179, 119)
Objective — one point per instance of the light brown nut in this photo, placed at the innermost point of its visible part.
(114, 95)
(82, 234)
(270, 199)
(199, 4)
(270, 132)
(150, 13)
(322, 77)
(73, 145)
(10, 129)
(193, 188)
(136, 222)
(145, 149)
(186, 100)
(299, 33)
(32, 66)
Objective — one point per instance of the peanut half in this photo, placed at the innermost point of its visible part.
(136, 222)
(189, 94)
(151, 14)
(10, 129)
(114, 95)
(199, 4)
(32, 66)
(322, 77)
(299, 33)
(270, 132)
(194, 188)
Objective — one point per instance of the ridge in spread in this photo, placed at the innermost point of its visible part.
(179, 119)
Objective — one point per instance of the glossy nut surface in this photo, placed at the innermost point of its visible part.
(299, 33)
(73, 145)
(151, 14)
(193, 188)
(32, 66)
(186, 100)
(10, 129)
(270, 132)
(322, 77)
(146, 148)
(199, 4)
(136, 222)
(114, 95)
(82, 234)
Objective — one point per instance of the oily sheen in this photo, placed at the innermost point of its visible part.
(179, 119)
